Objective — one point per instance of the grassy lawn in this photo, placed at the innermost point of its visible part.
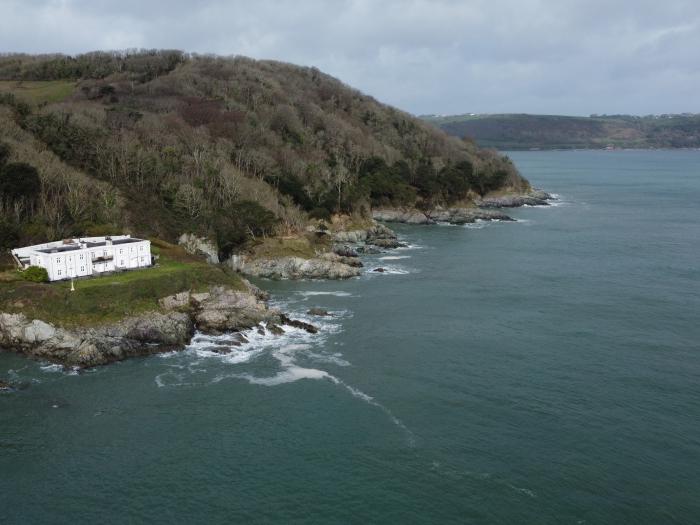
(109, 298)
(302, 246)
(38, 91)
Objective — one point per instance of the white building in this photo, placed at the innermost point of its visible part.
(86, 256)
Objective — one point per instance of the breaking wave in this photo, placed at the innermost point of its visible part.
(261, 358)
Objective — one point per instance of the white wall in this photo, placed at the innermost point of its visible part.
(64, 265)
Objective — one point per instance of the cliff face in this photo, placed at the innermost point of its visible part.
(218, 310)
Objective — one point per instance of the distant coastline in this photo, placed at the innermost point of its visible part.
(522, 132)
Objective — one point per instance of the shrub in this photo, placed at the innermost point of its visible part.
(19, 180)
(35, 274)
(245, 220)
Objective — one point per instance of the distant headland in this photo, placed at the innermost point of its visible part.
(513, 131)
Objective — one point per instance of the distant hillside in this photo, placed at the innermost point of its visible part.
(516, 131)
(162, 142)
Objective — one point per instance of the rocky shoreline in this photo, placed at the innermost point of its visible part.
(223, 310)
(482, 210)
(215, 311)
(342, 262)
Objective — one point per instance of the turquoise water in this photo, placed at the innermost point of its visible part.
(544, 371)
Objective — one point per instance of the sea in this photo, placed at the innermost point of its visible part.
(544, 371)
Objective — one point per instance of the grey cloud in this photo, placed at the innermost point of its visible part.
(441, 56)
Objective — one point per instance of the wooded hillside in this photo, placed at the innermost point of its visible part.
(163, 142)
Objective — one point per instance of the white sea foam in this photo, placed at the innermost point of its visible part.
(522, 490)
(336, 294)
(394, 257)
(299, 356)
(557, 204)
(388, 270)
(359, 394)
(410, 246)
(52, 368)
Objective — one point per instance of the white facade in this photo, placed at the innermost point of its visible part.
(86, 256)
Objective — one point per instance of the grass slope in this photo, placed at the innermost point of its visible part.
(107, 299)
(39, 91)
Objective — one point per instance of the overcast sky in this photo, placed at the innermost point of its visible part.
(441, 56)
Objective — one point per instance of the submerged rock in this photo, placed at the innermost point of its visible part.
(5, 386)
(318, 312)
(299, 324)
(275, 329)
(379, 270)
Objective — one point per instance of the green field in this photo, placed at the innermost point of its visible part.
(39, 91)
(109, 298)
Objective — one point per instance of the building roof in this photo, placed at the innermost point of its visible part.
(74, 244)
(127, 241)
(68, 248)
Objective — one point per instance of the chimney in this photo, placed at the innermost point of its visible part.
(108, 241)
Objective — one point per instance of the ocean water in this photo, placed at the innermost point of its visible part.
(543, 371)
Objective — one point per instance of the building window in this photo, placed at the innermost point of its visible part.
(82, 268)
(140, 248)
(81, 256)
(121, 251)
(58, 259)
(59, 272)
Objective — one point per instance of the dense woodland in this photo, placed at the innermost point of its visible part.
(514, 131)
(162, 142)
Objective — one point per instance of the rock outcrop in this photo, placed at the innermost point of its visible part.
(217, 310)
(369, 235)
(355, 262)
(82, 347)
(293, 268)
(345, 251)
(482, 210)
(532, 198)
(200, 246)
(448, 215)
(403, 215)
